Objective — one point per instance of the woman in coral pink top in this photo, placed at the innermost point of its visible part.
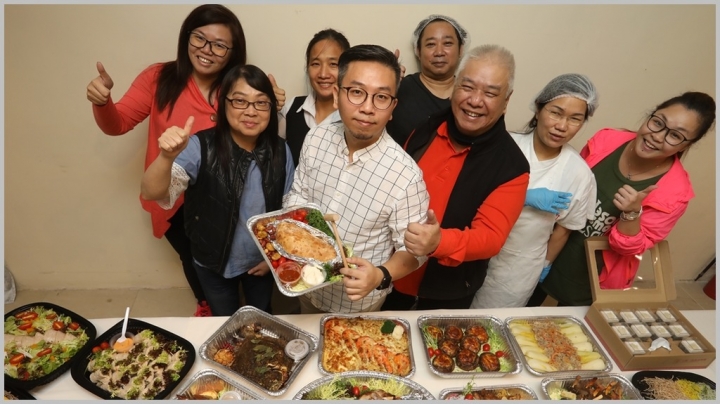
(210, 43)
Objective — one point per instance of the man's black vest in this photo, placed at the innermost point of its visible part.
(212, 204)
(494, 159)
(296, 129)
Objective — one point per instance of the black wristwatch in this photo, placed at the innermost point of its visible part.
(386, 280)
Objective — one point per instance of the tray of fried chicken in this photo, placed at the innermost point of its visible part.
(467, 346)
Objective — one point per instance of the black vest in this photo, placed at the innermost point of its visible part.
(493, 159)
(296, 129)
(212, 204)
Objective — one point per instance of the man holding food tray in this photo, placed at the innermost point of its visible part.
(478, 178)
(355, 169)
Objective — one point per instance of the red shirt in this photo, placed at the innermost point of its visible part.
(492, 223)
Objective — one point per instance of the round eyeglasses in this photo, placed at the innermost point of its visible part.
(672, 136)
(357, 96)
(238, 103)
(216, 48)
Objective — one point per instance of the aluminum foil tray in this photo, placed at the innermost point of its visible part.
(292, 292)
(552, 384)
(271, 327)
(398, 321)
(590, 337)
(492, 325)
(415, 391)
(215, 379)
(526, 392)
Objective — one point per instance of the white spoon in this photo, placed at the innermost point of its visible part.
(124, 329)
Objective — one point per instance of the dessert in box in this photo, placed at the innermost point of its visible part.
(646, 313)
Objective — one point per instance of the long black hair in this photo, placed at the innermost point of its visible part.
(329, 34)
(174, 75)
(258, 80)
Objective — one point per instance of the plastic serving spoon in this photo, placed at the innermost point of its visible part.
(332, 218)
(124, 328)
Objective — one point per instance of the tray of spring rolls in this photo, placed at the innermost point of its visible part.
(363, 385)
(260, 348)
(468, 346)
(590, 387)
(300, 247)
(209, 384)
(556, 345)
(497, 392)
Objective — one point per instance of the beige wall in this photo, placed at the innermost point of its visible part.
(72, 216)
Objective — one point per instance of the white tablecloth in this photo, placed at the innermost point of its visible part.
(198, 330)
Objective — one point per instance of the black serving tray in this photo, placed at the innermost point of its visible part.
(82, 376)
(84, 323)
(639, 383)
(19, 393)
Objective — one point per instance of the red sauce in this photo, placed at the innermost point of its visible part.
(289, 275)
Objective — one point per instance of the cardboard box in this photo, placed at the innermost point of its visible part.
(635, 299)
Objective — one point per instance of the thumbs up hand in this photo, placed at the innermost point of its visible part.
(98, 91)
(402, 66)
(627, 199)
(279, 92)
(423, 238)
(175, 139)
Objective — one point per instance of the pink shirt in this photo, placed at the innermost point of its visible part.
(137, 104)
(662, 208)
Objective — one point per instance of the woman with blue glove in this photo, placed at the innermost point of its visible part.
(560, 196)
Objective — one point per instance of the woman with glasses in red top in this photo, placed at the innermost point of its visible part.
(210, 43)
(642, 190)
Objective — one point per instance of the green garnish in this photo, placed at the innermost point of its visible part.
(316, 220)
(387, 327)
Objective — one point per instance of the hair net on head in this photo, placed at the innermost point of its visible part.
(464, 36)
(569, 85)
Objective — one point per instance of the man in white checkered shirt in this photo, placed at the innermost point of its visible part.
(355, 169)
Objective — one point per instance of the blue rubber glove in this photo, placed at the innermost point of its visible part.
(545, 272)
(547, 200)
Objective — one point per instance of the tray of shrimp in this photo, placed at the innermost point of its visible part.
(468, 346)
(557, 345)
(359, 342)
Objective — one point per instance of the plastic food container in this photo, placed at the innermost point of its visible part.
(289, 273)
(297, 349)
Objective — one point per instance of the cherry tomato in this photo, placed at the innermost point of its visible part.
(74, 326)
(24, 375)
(44, 352)
(468, 396)
(282, 260)
(499, 354)
(486, 347)
(104, 345)
(96, 349)
(25, 327)
(437, 351)
(17, 359)
(431, 352)
(27, 315)
(58, 326)
(51, 316)
(275, 264)
(356, 391)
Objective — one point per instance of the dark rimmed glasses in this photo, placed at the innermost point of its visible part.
(672, 136)
(216, 48)
(357, 96)
(238, 103)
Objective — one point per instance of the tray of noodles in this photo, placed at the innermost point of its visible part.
(672, 385)
(468, 346)
(252, 344)
(363, 385)
(299, 246)
(603, 386)
(371, 343)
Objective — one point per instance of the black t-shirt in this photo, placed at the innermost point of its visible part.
(415, 104)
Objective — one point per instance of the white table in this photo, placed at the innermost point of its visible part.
(198, 329)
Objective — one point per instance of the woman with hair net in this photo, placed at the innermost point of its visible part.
(560, 198)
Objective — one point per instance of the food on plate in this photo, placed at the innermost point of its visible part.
(10, 396)
(355, 343)
(151, 366)
(588, 389)
(257, 357)
(312, 275)
(123, 346)
(555, 345)
(661, 388)
(302, 243)
(355, 389)
(38, 341)
(464, 352)
(208, 389)
(499, 393)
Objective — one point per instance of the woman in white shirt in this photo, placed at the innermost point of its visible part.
(562, 190)
(301, 114)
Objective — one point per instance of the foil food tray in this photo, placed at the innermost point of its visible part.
(401, 321)
(528, 393)
(271, 326)
(302, 261)
(488, 322)
(550, 384)
(212, 376)
(415, 391)
(591, 338)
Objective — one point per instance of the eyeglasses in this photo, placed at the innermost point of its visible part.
(357, 96)
(216, 48)
(572, 121)
(238, 103)
(672, 137)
